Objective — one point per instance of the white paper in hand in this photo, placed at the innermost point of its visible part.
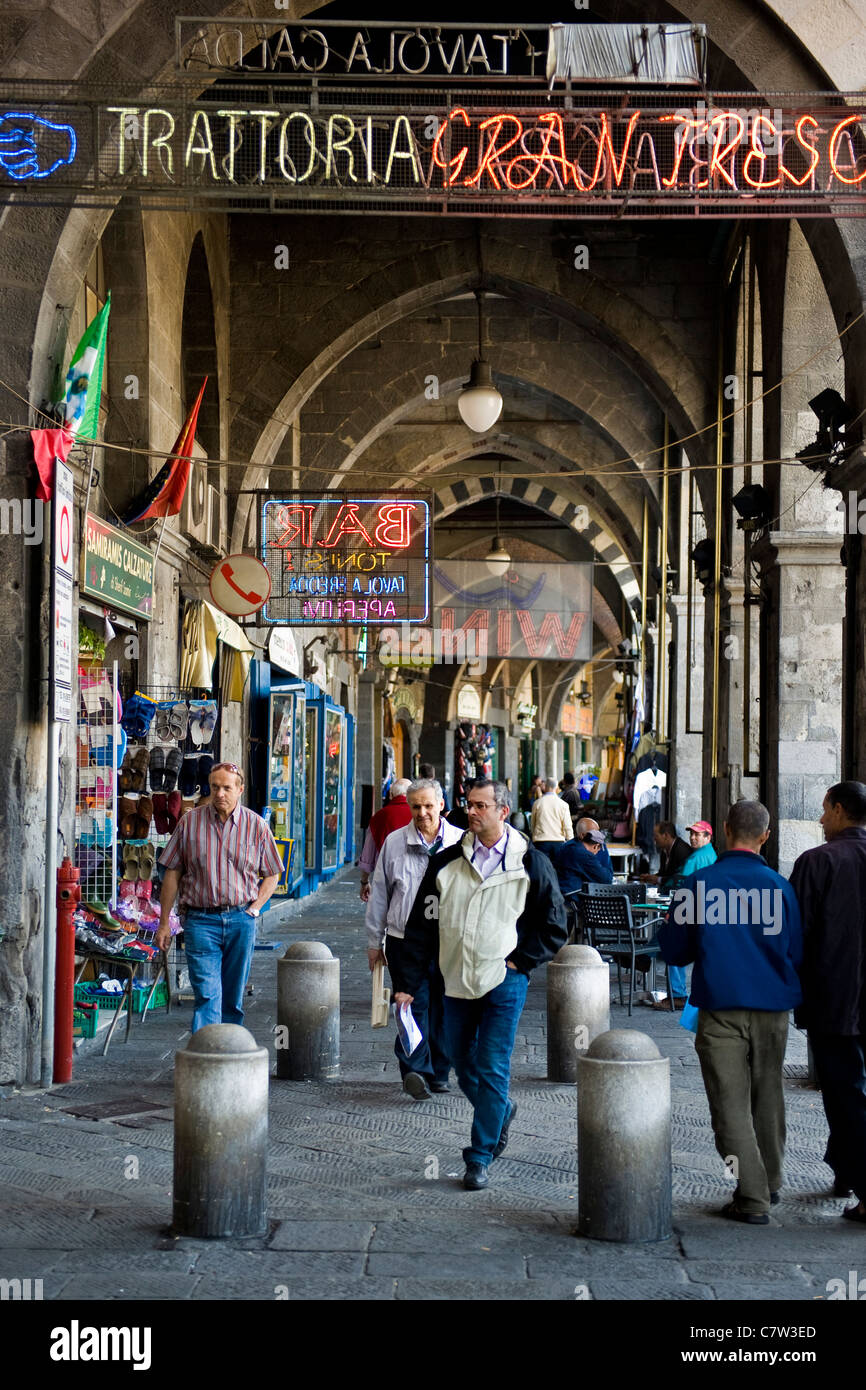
(407, 1029)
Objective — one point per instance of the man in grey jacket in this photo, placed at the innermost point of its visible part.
(490, 910)
(401, 865)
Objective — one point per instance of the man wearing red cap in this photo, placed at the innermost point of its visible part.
(702, 855)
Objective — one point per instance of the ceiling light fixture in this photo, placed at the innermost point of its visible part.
(498, 559)
(479, 403)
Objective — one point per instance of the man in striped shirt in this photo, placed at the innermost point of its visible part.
(224, 860)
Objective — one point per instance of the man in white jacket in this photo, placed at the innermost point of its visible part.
(402, 863)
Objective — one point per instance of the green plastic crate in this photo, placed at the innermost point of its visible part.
(109, 1003)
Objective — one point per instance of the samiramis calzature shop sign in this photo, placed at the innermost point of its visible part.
(720, 156)
(115, 569)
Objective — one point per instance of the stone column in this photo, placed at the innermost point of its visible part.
(686, 748)
(805, 596)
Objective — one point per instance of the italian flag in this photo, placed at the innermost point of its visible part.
(84, 378)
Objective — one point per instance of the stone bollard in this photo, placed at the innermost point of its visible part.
(220, 1134)
(578, 1007)
(308, 1013)
(624, 1139)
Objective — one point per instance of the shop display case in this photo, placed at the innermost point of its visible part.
(287, 781)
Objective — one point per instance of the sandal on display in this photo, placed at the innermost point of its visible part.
(138, 714)
(173, 765)
(146, 860)
(162, 721)
(178, 721)
(196, 714)
(144, 817)
(157, 768)
(131, 854)
(207, 721)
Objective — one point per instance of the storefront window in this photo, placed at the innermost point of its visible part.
(282, 732)
(312, 787)
(333, 787)
(299, 799)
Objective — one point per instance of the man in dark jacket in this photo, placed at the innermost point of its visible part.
(674, 852)
(739, 922)
(489, 908)
(830, 883)
(571, 797)
(584, 859)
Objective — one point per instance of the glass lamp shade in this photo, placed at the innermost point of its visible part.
(480, 404)
(499, 559)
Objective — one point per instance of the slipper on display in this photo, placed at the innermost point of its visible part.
(189, 775)
(144, 888)
(126, 888)
(205, 763)
(160, 815)
(144, 817)
(127, 813)
(126, 779)
(188, 804)
(157, 768)
(131, 855)
(140, 762)
(173, 765)
(178, 720)
(173, 810)
(146, 860)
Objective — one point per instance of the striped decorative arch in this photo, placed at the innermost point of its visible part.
(608, 550)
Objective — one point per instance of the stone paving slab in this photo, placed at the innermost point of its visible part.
(364, 1189)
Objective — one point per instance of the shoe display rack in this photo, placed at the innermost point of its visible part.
(99, 748)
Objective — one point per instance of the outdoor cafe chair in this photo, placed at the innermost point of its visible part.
(607, 921)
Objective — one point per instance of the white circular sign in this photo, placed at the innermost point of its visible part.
(239, 585)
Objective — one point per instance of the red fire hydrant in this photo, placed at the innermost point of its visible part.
(68, 898)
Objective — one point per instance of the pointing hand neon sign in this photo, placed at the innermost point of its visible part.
(26, 143)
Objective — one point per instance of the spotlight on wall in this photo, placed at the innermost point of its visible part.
(703, 557)
(829, 446)
(584, 695)
(480, 404)
(752, 505)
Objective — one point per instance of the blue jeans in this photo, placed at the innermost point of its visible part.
(219, 949)
(679, 988)
(479, 1038)
(429, 1058)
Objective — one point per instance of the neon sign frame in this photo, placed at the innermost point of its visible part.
(805, 158)
(346, 560)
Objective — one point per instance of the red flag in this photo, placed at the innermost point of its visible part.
(164, 496)
(49, 445)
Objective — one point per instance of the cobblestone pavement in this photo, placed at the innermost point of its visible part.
(364, 1193)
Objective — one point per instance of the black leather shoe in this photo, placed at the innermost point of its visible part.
(415, 1086)
(775, 1199)
(475, 1178)
(440, 1088)
(751, 1218)
(841, 1188)
(503, 1137)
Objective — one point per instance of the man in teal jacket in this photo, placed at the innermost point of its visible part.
(702, 855)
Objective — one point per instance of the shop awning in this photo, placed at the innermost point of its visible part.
(203, 627)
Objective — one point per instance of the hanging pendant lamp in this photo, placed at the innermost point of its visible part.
(479, 403)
